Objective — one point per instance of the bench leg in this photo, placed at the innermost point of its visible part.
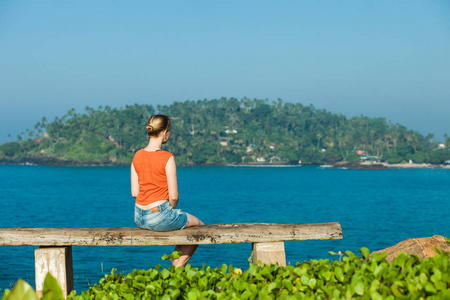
(269, 253)
(57, 261)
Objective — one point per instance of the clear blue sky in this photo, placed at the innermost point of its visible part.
(376, 58)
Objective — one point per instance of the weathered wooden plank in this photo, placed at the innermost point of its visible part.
(269, 253)
(56, 261)
(209, 234)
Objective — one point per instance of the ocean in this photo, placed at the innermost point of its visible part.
(377, 209)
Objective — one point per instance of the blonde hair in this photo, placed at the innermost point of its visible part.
(157, 124)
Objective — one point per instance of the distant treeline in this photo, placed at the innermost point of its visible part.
(224, 131)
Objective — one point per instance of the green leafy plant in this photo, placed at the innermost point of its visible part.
(174, 255)
(23, 290)
(352, 277)
(368, 276)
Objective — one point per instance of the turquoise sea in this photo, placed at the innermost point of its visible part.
(376, 209)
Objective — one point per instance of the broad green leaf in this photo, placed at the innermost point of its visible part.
(440, 285)
(350, 254)
(359, 288)
(326, 275)
(190, 274)
(287, 284)
(401, 259)
(437, 274)
(272, 286)
(379, 257)
(175, 255)
(194, 294)
(312, 283)
(429, 287)
(365, 252)
(237, 284)
(252, 270)
(349, 292)
(380, 270)
(203, 282)
(175, 293)
(6, 294)
(52, 290)
(339, 274)
(423, 278)
(376, 296)
(22, 291)
(396, 289)
(412, 288)
(230, 269)
(336, 293)
(415, 257)
(138, 285)
(165, 273)
(245, 295)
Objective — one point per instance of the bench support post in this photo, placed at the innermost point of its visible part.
(56, 261)
(269, 253)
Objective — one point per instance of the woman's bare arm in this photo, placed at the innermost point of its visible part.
(172, 183)
(134, 182)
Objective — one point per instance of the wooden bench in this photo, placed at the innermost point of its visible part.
(54, 254)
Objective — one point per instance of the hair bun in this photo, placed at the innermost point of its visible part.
(157, 124)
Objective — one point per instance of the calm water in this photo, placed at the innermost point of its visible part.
(376, 209)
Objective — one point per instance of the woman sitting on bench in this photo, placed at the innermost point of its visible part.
(154, 185)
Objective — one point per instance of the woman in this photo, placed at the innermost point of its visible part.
(154, 185)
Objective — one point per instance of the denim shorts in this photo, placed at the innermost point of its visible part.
(166, 219)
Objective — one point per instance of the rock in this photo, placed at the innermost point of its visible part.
(422, 247)
(358, 166)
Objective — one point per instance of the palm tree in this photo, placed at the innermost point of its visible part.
(387, 138)
(319, 136)
(19, 139)
(395, 135)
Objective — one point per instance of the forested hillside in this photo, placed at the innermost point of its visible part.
(223, 131)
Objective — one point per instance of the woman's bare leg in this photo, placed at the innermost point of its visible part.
(187, 250)
(194, 221)
(186, 254)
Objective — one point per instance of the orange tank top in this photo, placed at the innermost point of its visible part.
(152, 179)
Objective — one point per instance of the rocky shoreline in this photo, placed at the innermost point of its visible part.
(385, 166)
(359, 166)
(53, 161)
(416, 166)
